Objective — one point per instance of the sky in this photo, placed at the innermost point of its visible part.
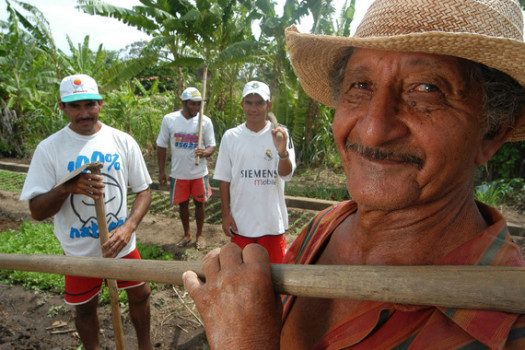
(64, 20)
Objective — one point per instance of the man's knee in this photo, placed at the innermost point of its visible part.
(87, 310)
(139, 294)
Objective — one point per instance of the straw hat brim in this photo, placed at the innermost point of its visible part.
(313, 56)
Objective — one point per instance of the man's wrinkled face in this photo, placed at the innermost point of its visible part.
(83, 115)
(407, 126)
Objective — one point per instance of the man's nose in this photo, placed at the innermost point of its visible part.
(84, 111)
(383, 120)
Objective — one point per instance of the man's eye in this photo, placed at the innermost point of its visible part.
(361, 85)
(427, 88)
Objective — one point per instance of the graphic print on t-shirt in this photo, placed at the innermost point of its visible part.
(185, 141)
(84, 207)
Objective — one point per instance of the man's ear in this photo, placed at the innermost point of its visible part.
(490, 146)
(61, 105)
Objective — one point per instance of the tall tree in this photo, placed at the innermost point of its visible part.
(215, 33)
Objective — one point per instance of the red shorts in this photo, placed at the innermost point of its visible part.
(275, 245)
(80, 290)
(199, 189)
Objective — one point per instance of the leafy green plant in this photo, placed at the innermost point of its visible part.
(32, 239)
(495, 192)
(54, 311)
(11, 181)
(489, 193)
(153, 252)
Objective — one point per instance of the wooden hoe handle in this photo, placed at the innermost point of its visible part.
(100, 209)
(464, 287)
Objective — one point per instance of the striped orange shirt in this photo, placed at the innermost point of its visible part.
(379, 325)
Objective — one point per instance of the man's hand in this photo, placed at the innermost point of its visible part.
(118, 239)
(237, 301)
(201, 153)
(88, 184)
(162, 179)
(229, 224)
(280, 142)
(120, 236)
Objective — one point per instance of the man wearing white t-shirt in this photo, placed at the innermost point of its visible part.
(85, 139)
(252, 166)
(180, 131)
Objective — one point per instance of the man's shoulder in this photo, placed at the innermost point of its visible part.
(109, 129)
(206, 119)
(57, 135)
(172, 115)
(235, 131)
(116, 134)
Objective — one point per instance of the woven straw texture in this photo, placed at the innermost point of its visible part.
(485, 31)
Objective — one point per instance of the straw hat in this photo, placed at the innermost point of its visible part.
(485, 31)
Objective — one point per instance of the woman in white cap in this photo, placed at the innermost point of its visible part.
(424, 93)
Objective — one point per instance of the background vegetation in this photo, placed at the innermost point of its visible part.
(141, 83)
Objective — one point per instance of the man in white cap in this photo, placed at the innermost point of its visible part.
(86, 139)
(180, 131)
(252, 165)
(424, 93)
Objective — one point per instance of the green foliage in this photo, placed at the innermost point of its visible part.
(322, 151)
(32, 239)
(508, 162)
(153, 252)
(336, 191)
(496, 192)
(11, 181)
(137, 111)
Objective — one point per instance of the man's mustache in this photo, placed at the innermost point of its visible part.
(87, 118)
(378, 154)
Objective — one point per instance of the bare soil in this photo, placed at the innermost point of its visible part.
(39, 320)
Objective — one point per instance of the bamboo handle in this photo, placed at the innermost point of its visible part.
(464, 287)
(100, 210)
(201, 114)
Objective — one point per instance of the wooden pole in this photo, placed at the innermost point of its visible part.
(100, 208)
(201, 114)
(464, 287)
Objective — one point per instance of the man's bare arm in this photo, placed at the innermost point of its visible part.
(48, 204)
(227, 219)
(161, 158)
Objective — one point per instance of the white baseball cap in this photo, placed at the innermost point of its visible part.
(256, 87)
(191, 93)
(78, 87)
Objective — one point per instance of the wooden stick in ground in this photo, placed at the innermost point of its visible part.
(201, 114)
(100, 209)
(464, 287)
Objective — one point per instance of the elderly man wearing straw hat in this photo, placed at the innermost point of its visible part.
(424, 93)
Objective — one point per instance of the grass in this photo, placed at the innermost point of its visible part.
(11, 181)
